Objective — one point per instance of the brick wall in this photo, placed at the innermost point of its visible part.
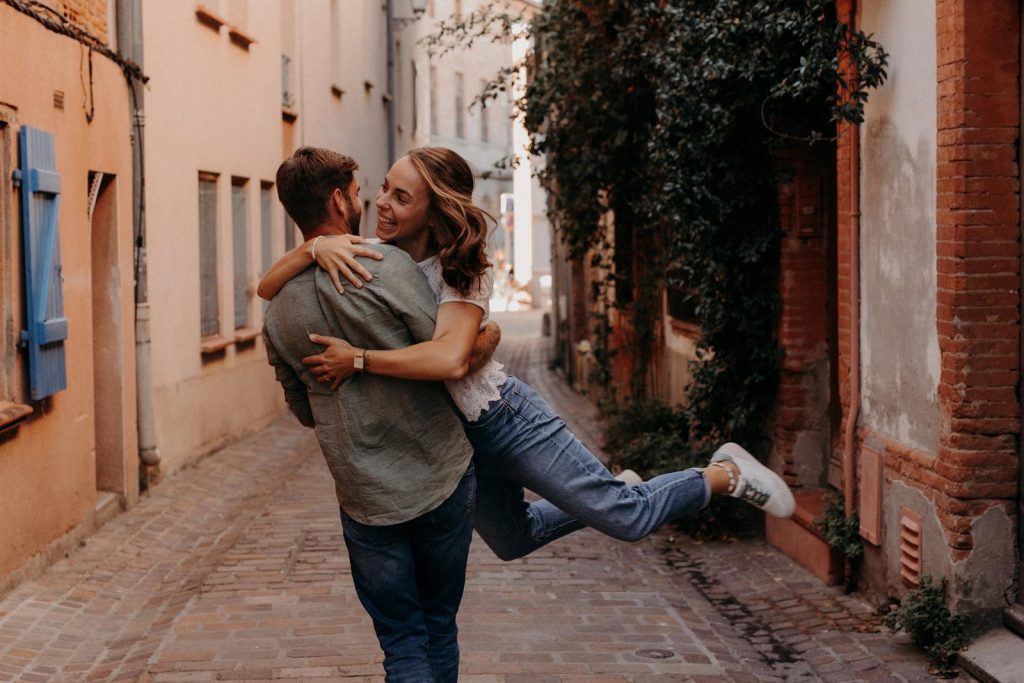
(978, 252)
(90, 15)
(978, 270)
(807, 219)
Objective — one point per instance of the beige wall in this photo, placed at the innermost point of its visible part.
(344, 44)
(210, 106)
(48, 465)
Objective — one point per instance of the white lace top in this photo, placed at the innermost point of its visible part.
(475, 391)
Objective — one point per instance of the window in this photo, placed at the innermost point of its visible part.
(460, 107)
(12, 411)
(287, 96)
(209, 309)
(680, 302)
(240, 249)
(485, 115)
(433, 100)
(266, 225)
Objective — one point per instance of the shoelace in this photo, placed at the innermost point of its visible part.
(754, 495)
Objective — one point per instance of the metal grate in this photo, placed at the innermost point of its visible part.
(910, 547)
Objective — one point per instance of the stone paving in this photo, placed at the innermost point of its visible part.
(234, 569)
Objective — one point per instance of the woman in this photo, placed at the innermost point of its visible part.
(425, 207)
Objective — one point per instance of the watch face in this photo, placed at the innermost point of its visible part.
(358, 362)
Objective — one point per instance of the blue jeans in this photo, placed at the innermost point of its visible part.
(520, 442)
(410, 577)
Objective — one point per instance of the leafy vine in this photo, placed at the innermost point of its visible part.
(667, 115)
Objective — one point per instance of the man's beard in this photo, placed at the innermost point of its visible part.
(355, 216)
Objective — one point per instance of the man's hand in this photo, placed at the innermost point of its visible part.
(487, 340)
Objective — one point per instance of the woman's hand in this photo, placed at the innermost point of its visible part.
(335, 363)
(337, 254)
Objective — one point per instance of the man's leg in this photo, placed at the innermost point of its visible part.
(440, 542)
(384, 574)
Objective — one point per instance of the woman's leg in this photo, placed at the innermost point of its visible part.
(511, 526)
(521, 442)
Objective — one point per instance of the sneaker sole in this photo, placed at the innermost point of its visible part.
(738, 452)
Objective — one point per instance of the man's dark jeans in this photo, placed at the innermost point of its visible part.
(410, 578)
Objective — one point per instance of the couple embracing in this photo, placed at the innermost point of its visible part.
(425, 436)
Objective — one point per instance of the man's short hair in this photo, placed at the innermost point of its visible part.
(306, 180)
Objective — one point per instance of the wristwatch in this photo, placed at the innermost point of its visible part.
(359, 362)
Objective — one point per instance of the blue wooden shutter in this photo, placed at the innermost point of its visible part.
(47, 326)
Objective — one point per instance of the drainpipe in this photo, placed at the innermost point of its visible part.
(129, 39)
(849, 437)
(390, 28)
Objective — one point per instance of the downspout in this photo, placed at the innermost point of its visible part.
(391, 80)
(849, 437)
(129, 30)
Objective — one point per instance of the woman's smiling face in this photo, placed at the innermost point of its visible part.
(403, 206)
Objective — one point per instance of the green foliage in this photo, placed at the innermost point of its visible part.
(629, 421)
(669, 116)
(842, 533)
(923, 614)
(650, 438)
(667, 113)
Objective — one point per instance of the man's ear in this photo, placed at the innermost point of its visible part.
(339, 203)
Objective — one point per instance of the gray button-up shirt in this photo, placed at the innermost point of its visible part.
(395, 447)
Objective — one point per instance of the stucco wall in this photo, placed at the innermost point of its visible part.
(900, 361)
(344, 44)
(48, 466)
(216, 107)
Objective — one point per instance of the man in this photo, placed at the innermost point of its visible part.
(396, 448)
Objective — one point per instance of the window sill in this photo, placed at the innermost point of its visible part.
(687, 329)
(208, 18)
(13, 414)
(240, 37)
(244, 335)
(212, 345)
(288, 114)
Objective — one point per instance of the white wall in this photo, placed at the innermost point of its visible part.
(898, 275)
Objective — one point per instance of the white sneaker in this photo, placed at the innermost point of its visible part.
(630, 477)
(757, 484)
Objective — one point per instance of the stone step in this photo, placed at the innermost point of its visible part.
(996, 657)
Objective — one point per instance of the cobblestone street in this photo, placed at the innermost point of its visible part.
(234, 569)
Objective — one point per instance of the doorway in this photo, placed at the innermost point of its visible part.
(107, 335)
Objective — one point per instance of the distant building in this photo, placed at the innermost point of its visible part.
(442, 112)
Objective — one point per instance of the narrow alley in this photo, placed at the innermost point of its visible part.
(234, 569)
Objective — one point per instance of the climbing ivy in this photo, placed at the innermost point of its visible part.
(668, 115)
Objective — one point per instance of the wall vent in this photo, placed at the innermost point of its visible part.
(910, 547)
(58, 99)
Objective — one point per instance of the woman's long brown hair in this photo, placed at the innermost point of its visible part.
(458, 227)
